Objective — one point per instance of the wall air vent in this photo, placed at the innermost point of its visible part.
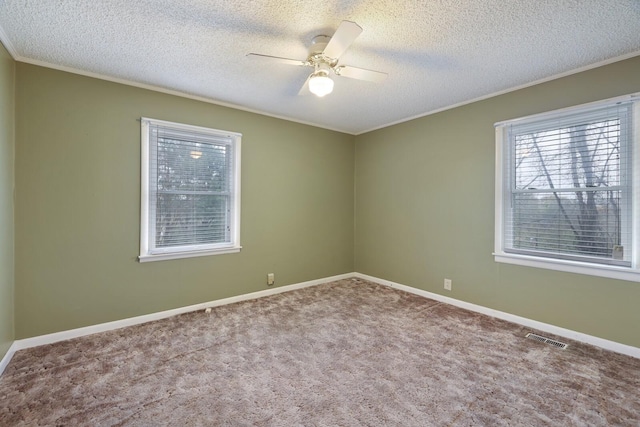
(547, 340)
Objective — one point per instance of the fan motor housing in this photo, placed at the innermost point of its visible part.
(318, 44)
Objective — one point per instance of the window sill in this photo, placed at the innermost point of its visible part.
(612, 272)
(187, 254)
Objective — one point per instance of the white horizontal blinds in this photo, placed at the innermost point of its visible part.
(569, 187)
(191, 188)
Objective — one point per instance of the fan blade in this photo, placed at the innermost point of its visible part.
(304, 90)
(346, 33)
(360, 73)
(277, 59)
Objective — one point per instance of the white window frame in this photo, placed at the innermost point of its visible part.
(631, 273)
(148, 251)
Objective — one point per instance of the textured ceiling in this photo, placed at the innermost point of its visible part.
(437, 53)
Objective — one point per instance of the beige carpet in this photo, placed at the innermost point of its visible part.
(349, 353)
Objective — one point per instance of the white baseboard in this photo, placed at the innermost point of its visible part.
(545, 327)
(103, 327)
(117, 324)
(7, 357)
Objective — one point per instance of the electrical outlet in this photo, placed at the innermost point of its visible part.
(447, 284)
(271, 279)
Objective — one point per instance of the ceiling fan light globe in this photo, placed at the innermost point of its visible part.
(320, 85)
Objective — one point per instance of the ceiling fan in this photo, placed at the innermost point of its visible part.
(324, 55)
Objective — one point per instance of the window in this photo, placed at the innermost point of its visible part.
(567, 190)
(190, 191)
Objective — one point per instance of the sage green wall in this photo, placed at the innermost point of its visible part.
(7, 108)
(78, 204)
(425, 211)
(424, 206)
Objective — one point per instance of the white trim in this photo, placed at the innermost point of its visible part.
(12, 51)
(503, 188)
(236, 191)
(499, 188)
(529, 323)
(599, 270)
(191, 128)
(572, 110)
(173, 92)
(144, 188)
(635, 179)
(104, 327)
(188, 254)
(4, 39)
(117, 324)
(508, 90)
(7, 357)
(148, 251)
